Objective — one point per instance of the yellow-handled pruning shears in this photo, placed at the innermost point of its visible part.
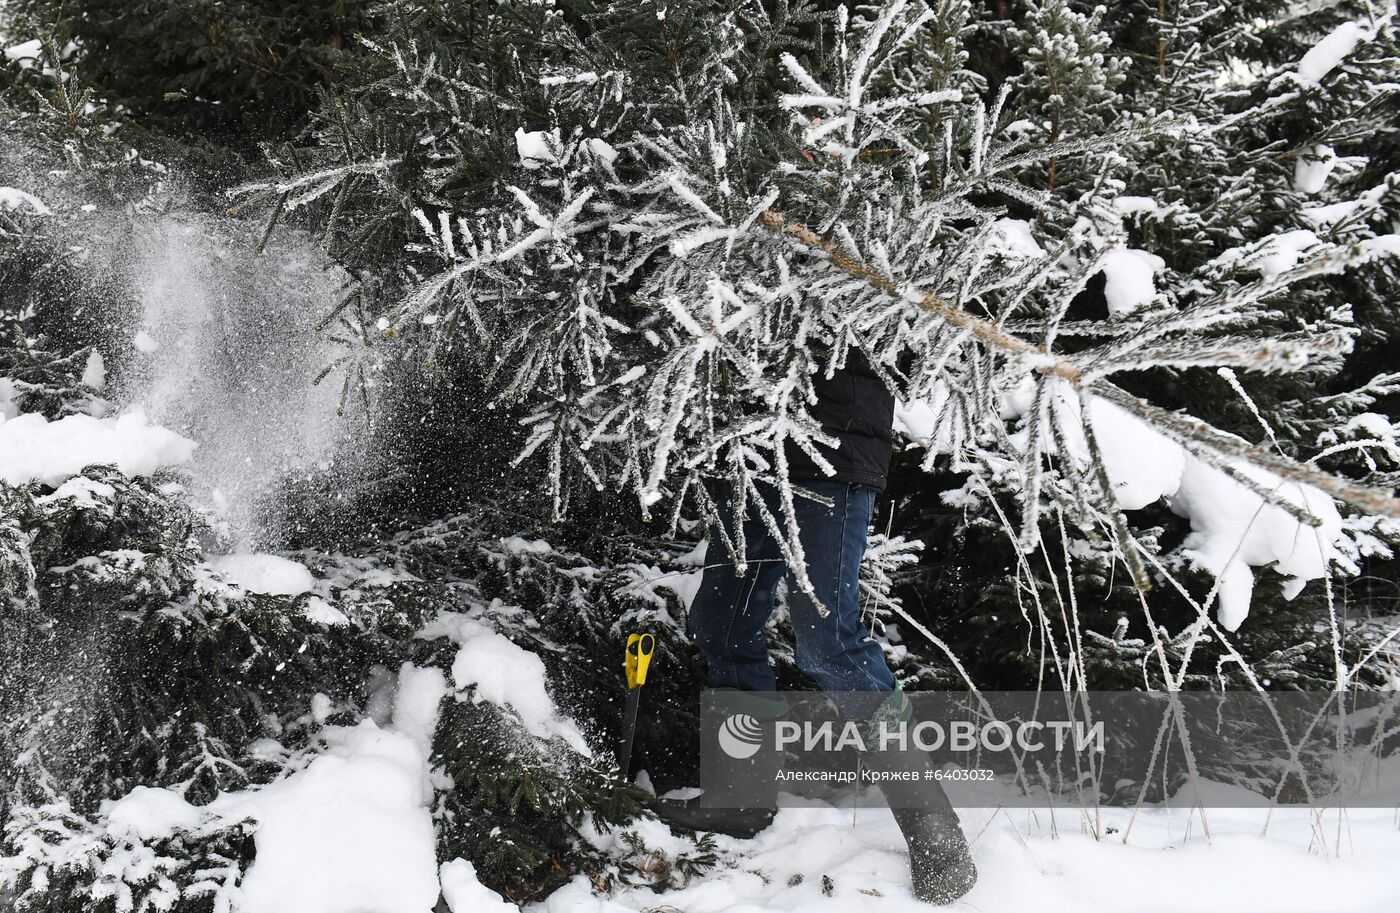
(639, 650)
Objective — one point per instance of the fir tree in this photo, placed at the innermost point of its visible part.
(681, 202)
(242, 71)
(615, 244)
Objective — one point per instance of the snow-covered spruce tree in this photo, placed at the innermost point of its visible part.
(1255, 178)
(150, 703)
(97, 691)
(128, 664)
(1067, 86)
(637, 232)
(1225, 182)
(230, 72)
(622, 232)
(149, 700)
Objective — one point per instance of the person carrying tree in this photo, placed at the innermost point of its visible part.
(853, 406)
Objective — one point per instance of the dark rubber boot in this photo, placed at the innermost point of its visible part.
(742, 812)
(688, 815)
(940, 861)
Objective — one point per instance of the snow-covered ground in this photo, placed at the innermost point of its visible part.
(1031, 860)
(351, 831)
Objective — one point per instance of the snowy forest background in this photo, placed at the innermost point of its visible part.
(367, 369)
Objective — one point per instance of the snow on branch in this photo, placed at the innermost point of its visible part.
(1067, 368)
(1235, 493)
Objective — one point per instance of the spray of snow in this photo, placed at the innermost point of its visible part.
(145, 342)
(95, 371)
(226, 353)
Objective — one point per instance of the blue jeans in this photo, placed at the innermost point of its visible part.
(728, 613)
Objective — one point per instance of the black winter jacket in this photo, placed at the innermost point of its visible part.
(855, 407)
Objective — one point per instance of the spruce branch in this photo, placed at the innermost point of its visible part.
(984, 331)
(1190, 432)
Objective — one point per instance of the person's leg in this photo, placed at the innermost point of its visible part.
(843, 658)
(726, 622)
(729, 611)
(835, 649)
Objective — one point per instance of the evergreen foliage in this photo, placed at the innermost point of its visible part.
(129, 662)
(598, 252)
(606, 268)
(240, 71)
